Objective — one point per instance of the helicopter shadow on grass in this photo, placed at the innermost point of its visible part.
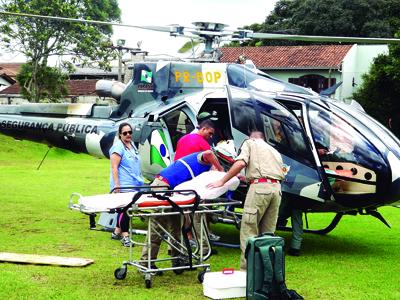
(313, 244)
(340, 244)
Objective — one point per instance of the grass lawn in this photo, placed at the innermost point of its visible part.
(358, 260)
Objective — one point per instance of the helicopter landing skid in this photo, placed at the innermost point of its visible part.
(226, 245)
(322, 231)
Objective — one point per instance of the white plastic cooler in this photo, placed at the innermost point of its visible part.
(225, 284)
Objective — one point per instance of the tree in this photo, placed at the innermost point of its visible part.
(39, 39)
(380, 90)
(50, 83)
(367, 18)
(359, 18)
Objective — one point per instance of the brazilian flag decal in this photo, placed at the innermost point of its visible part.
(159, 153)
(146, 76)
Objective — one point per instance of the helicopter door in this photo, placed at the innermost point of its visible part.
(257, 111)
(300, 111)
(163, 130)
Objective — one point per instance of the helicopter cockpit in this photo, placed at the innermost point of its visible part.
(350, 161)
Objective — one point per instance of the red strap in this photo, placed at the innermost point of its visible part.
(260, 180)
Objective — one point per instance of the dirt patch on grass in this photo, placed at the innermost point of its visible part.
(68, 248)
(39, 278)
(32, 230)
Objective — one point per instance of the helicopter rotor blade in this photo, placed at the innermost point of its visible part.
(315, 38)
(241, 34)
(170, 29)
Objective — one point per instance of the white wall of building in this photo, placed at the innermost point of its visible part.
(356, 63)
(3, 83)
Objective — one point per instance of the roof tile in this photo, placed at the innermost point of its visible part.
(287, 57)
(11, 69)
(75, 88)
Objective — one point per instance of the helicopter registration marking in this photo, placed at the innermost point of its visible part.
(199, 77)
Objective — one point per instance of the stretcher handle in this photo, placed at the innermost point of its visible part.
(71, 199)
(142, 187)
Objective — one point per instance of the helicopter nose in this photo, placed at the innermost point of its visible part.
(394, 194)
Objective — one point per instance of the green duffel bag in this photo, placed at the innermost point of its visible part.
(266, 268)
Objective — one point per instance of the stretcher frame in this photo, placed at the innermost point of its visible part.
(133, 210)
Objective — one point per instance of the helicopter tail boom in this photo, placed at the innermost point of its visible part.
(76, 127)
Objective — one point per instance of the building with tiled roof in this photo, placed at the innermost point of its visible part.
(11, 69)
(317, 66)
(81, 85)
(8, 74)
(82, 90)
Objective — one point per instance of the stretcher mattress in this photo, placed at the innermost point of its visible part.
(106, 202)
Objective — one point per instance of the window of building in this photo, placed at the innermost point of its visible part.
(316, 82)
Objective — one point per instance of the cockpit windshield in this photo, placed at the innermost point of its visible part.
(242, 77)
(385, 136)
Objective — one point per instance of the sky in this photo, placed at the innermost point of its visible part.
(234, 13)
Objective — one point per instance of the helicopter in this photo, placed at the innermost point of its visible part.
(341, 160)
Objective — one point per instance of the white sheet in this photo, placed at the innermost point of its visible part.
(105, 202)
(199, 184)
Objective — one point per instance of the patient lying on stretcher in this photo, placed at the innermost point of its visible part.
(105, 202)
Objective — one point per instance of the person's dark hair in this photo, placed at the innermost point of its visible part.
(257, 134)
(207, 124)
(122, 125)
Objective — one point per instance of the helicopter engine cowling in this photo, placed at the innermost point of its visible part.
(110, 88)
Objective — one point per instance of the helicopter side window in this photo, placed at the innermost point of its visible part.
(287, 137)
(295, 108)
(273, 129)
(244, 116)
(178, 124)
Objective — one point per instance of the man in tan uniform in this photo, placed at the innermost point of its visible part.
(264, 171)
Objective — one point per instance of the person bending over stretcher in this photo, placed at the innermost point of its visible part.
(181, 170)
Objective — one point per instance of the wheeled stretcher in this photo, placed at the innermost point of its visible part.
(151, 205)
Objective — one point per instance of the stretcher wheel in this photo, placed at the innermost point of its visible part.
(214, 219)
(200, 276)
(238, 224)
(179, 271)
(180, 262)
(147, 283)
(120, 273)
